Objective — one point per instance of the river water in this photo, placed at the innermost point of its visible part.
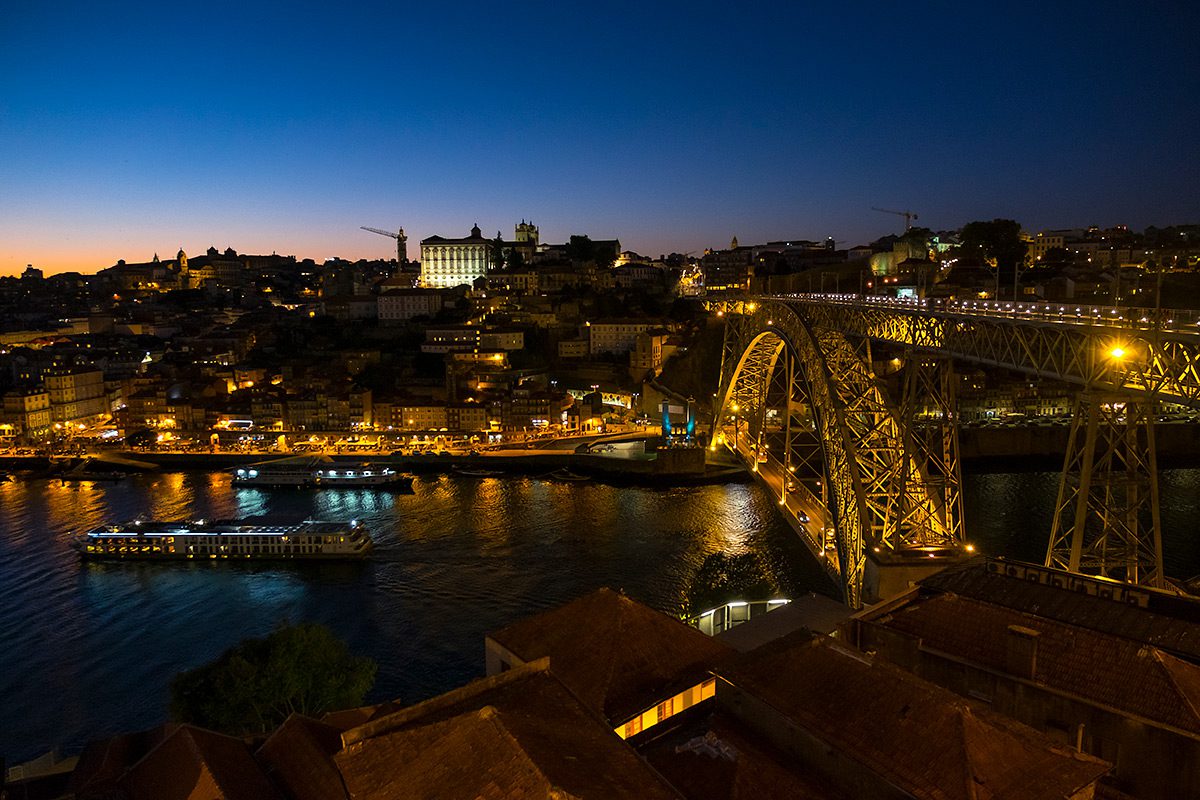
(89, 649)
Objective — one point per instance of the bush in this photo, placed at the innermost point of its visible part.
(254, 686)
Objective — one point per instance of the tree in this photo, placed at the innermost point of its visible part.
(516, 261)
(255, 685)
(497, 255)
(580, 249)
(1056, 256)
(602, 257)
(998, 242)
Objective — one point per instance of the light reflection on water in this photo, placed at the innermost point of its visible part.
(89, 649)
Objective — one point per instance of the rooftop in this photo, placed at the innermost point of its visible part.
(617, 655)
(1102, 668)
(1167, 621)
(918, 736)
(521, 734)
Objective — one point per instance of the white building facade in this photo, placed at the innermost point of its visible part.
(452, 262)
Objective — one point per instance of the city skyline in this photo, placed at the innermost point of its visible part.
(276, 129)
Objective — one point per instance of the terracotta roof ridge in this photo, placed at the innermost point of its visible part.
(491, 715)
(396, 719)
(968, 724)
(199, 748)
(151, 750)
(623, 605)
(1172, 667)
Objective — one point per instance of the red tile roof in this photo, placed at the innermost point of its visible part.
(1102, 668)
(351, 717)
(617, 655)
(195, 764)
(520, 734)
(1167, 621)
(103, 762)
(299, 757)
(918, 736)
(717, 759)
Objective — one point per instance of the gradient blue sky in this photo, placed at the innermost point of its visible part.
(130, 128)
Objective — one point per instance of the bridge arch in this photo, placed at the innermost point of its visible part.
(874, 491)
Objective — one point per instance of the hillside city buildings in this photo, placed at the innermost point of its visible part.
(483, 337)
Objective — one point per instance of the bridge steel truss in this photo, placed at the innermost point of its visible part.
(876, 489)
(1162, 363)
(1107, 518)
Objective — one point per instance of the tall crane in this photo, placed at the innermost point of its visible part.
(401, 242)
(908, 216)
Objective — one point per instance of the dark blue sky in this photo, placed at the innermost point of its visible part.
(131, 128)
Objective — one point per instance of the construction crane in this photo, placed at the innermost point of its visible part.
(908, 215)
(401, 242)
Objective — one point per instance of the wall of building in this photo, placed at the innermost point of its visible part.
(1149, 760)
(811, 752)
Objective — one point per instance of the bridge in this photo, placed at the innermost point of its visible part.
(872, 482)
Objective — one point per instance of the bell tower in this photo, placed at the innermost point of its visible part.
(527, 233)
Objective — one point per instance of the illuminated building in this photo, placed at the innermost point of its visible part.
(453, 262)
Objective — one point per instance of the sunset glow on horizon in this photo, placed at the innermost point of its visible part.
(276, 128)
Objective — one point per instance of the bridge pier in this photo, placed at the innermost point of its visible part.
(888, 573)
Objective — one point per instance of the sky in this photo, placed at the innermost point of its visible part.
(129, 129)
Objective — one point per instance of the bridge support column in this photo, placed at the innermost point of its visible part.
(929, 419)
(1106, 519)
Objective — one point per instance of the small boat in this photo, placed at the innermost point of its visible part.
(477, 473)
(566, 475)
(83, 472)
(319, 472)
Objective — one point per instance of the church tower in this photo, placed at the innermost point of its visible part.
(733, 243)
(527, 232)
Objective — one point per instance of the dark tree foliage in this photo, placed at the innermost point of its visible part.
(723, 578)
(497, 254)
(998, 240)
(581, 248)
(1056, 256)
(602, 257)
(516, 261)
(255, 685)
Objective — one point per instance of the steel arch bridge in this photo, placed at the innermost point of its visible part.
(796, 373)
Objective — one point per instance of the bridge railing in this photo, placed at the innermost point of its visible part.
(1065, 313)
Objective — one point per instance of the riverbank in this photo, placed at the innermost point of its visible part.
(645, 470)
(1008, 448)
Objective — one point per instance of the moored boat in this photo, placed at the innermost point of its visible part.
(236, 540)
(474, 472)
(568, 476)
(319, 472)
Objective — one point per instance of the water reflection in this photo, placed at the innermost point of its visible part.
(90, 649)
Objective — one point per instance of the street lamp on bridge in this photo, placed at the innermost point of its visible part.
(734, 409)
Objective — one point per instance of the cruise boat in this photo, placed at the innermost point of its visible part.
(319, 472)
(229, 540)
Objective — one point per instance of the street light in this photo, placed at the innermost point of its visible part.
(734, 409)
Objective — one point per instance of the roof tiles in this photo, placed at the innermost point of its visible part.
(617, 655)
(914, 734)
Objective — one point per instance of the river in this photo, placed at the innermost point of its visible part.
(89, 649)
